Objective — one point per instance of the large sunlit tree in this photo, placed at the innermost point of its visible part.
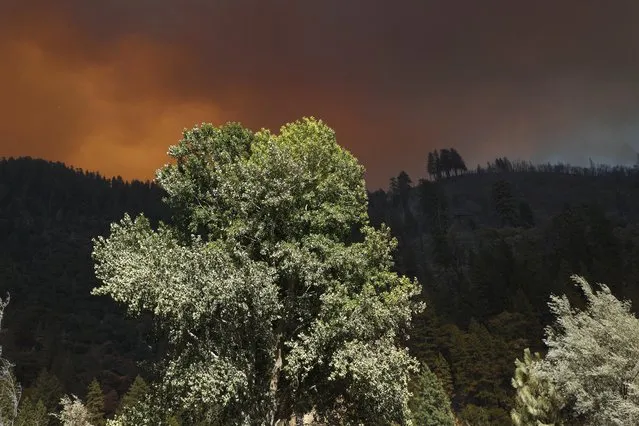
(277, 295)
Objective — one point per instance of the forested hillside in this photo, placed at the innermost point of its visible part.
(55, 329)
(489, 246)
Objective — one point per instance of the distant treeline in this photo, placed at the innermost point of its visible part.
(448, 162)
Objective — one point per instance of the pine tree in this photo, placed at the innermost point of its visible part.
(446, 161)
(503, 164)
(441, 368)
(537, 401)
(400, 188)
(136, 393)
(48, 389)
(504, 202)
(431, 165)
(438, 164)
(457, 161)
(95, 403)
(474, 415)
(31, 413)
(434, 208)
(429, 405)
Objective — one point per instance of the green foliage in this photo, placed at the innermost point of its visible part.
(73, 412)
(31, 413)
(95, 403)
(429, 405)
(441, 368)
(501, 277)
(143, 406)
(10, 390)
(592, 357)
(172, 421)
(48, 389)
(151, 410)
(474, 415)
(479, 371)
(271, 308)
(537, 401)
(136, 393)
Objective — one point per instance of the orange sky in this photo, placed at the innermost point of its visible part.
(109, 86)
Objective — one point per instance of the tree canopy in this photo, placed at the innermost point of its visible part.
(430, 405)
(592, 356)
(277, 295)
(590, 374)
(536, 401)
(443, 162)
(10, 390)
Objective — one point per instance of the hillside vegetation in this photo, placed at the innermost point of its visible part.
(489, 246)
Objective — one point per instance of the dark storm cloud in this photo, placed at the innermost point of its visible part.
(109, 85)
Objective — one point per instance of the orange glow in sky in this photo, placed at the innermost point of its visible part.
(110, 85)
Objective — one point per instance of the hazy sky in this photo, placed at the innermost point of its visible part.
(108, 85)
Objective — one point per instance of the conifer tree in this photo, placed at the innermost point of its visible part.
(537, 401)
(504, 202)
(429, 404)
(446, 161)
(31, 413)
(434, 208)
(438, 164)
(441, 368)
(457, 162)
(136, 393)
(95, 403)
(431, 165)
(48, 389)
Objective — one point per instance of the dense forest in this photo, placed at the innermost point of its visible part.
(488, 244)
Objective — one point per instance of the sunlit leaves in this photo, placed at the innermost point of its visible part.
(592, 357)
(258, 262)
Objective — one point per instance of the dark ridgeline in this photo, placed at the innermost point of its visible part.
(489, 246)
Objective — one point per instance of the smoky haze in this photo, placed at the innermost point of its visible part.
(109, 85)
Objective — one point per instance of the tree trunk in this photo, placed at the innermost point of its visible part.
(275, 419)
(275, 379)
